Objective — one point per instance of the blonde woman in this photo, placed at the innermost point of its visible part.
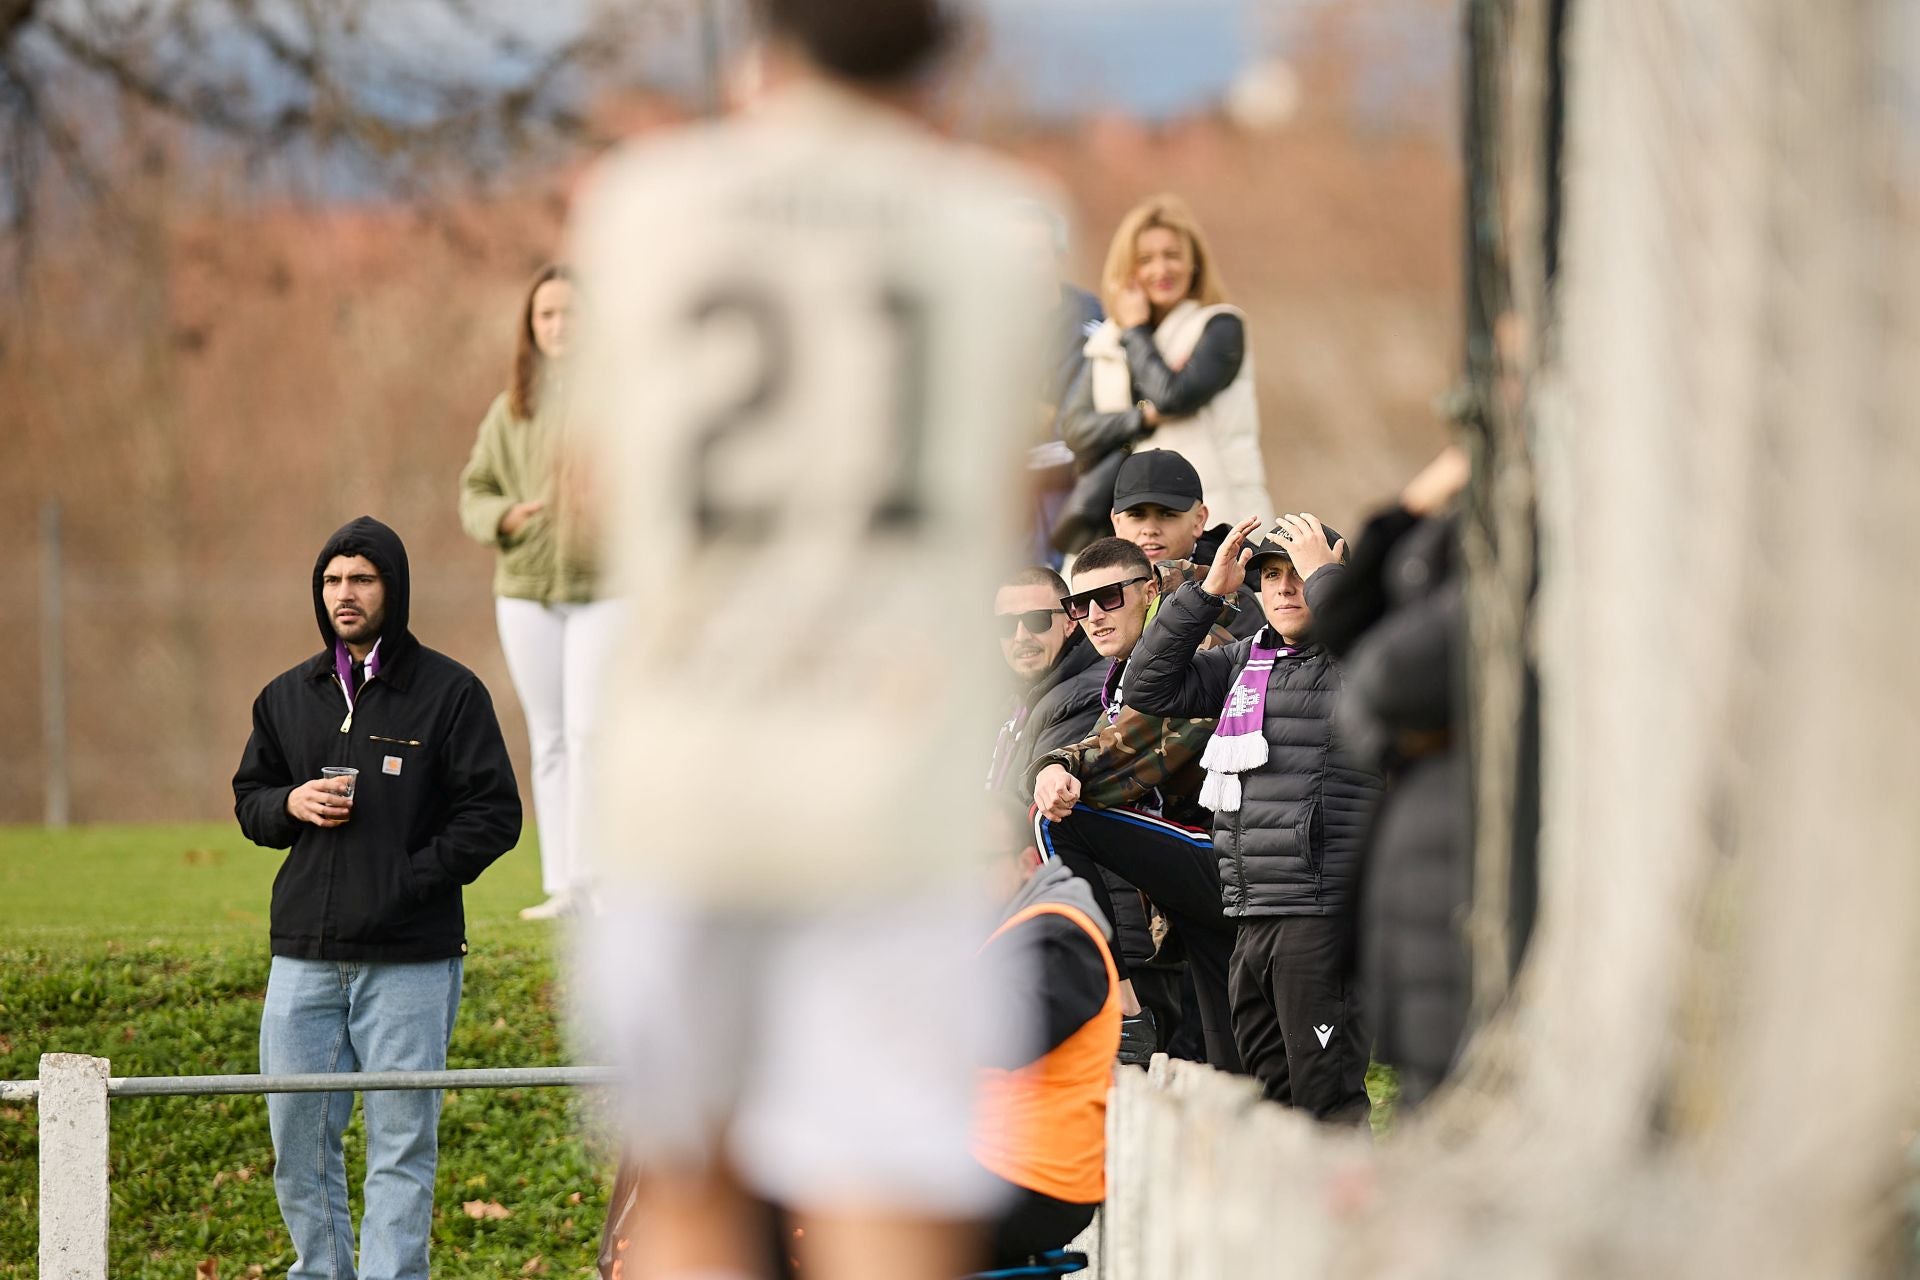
(1170, 367)
(554, 628)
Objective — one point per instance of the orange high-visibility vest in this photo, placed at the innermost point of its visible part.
(1044, 1126)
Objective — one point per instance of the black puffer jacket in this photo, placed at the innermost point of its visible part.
(434, 804)
(1293, 847)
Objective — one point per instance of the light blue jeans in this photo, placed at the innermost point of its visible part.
(347, 1015)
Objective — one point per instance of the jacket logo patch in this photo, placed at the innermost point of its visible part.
(1324, 1032)
(391, 765)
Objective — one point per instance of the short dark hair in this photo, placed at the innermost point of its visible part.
(1112, 553)
(866, 41)
(1036, 575)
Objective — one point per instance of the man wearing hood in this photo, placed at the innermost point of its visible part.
(367, 925)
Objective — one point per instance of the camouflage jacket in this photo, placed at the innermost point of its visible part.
(1140, 759)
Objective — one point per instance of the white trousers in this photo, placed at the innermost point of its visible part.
(556, 653)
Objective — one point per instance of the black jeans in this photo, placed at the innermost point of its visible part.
(1296, 1017)
(1035, 1223)
(1177, 868)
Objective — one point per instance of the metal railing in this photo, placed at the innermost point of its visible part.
(73, 1091)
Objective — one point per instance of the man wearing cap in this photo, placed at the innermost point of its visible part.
(1157, 506)
(1290, 808)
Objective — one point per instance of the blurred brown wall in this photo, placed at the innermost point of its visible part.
(210, 393)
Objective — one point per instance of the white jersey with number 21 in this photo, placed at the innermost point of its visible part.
(805, 359)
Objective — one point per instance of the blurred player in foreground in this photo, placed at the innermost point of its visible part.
(798, 353)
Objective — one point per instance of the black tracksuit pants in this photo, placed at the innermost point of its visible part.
(1296, 1017)
(1176, 867)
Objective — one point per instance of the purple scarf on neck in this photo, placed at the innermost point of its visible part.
(1239, 742)
(343, 667)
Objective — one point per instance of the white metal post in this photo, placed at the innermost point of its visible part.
(73, 1167)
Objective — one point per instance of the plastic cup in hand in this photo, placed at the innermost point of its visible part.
(341, 771)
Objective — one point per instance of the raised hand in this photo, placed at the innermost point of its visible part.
(1229, 569)
(1306, 541)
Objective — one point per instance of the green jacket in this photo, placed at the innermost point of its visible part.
(515, 460)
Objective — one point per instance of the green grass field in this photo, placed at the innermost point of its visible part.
(148, 946)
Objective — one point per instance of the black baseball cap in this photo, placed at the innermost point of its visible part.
(1159, 476)
(1272, 544)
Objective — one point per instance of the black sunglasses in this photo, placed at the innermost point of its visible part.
(1036, 621)
(1110, 597)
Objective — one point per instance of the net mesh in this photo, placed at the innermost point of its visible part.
(1705, 1066)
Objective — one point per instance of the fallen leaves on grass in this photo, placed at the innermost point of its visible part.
(534, 1266)
(486, 1209)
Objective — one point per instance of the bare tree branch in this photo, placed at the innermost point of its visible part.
(263, 75)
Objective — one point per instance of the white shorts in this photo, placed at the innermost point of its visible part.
(829, 1058)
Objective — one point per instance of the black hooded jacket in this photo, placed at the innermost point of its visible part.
(434, 804)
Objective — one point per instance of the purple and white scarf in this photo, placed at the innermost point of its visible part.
(1239, 742)
(343, 667)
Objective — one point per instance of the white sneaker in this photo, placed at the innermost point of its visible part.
(560, 904)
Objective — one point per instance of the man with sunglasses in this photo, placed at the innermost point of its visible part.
(1062, 675)
(1051, 659)
(1126, 796)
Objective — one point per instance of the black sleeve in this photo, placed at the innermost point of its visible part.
(1067, 983)
(1169, 674)
(1060, 719)
(483, 810)
(1345, 606)
(262, 784)
(1211, 369)
(1402, 675)
(1091, 434)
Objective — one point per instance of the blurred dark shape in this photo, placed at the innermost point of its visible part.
(1397, 626)
(871, 41)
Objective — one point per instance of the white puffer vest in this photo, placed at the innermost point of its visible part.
(1221, 440)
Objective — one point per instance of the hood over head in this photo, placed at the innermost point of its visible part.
(367, 537)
